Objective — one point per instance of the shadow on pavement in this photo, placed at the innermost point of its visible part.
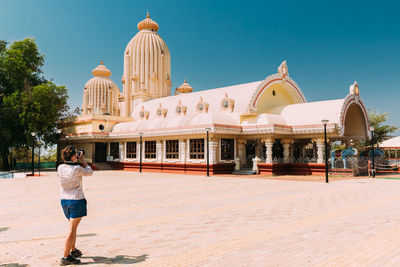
(86, 235)
(13, 265)
(120, 259)
(3, 229)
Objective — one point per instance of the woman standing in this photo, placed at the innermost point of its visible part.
(73, 200)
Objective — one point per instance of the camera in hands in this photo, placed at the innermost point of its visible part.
(81, 152)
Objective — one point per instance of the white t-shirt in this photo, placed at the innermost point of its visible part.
(70, 177)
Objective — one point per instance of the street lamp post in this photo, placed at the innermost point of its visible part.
(325, 122)
(59, 131)
(33, 153)
(40, 144)
(373, 152)
(67, 137)
(208, 152)
(140, 155)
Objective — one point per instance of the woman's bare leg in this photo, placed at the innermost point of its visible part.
(71, 236)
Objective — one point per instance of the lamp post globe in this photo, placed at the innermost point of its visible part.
(325, 122)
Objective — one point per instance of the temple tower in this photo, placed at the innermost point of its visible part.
(101, 94)
(147, 67)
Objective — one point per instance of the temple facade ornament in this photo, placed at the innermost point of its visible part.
(283, 70)
(184, 88)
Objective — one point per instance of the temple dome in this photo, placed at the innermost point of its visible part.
(147, 67)
(184, 88)
(100, 95)
(101, 70)
(147, 23)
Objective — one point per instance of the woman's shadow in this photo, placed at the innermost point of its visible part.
(120, 259)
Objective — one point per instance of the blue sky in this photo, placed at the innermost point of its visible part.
(327, 44)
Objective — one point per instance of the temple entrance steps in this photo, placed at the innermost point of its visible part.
(103, 166)
(244, 171)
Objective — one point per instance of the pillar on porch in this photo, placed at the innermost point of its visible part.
(268, 142)
(182, 150)
(122, 151)
(320, 150)
(159, 150)
(213, 146)
(286, 143)
(242, 151)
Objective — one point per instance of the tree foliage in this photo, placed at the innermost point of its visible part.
(28, 102)
(382, 130)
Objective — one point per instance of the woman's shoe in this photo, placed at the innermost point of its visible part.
(69, 261)
(76, 253)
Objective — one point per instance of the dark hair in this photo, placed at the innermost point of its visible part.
(68, 152)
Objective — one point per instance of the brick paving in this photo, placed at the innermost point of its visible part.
(154, 219)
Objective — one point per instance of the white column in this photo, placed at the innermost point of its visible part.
(182, 150)
(320, 150)
(159, 150)
(213, 146)
(122, 151)
(269, 142)
(187, 150)
(242, 151)
(286, 149)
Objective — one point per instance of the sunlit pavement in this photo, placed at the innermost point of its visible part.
(186, 220)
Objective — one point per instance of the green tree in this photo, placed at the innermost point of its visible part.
(382, 130)
(28, 102)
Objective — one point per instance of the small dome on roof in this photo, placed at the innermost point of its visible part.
(101, 71)
(184, 88)
(148, 23)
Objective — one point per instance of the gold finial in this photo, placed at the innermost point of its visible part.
(185, 81)
(101, 62)
(148, 15)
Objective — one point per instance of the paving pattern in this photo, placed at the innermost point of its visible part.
(154, 219)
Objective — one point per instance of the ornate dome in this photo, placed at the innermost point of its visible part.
(100, 95)
(101, 70)
(148, 23)
(184, 88)
(147, 67)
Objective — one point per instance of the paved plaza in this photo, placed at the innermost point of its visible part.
(154, 219)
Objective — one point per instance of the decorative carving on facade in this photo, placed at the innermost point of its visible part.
(202, 106)
(228, 103)
(283, 70)
(351, 98)
(180, 109)
(271, 79)
(144, 114)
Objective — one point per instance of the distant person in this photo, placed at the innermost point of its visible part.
(73, 200)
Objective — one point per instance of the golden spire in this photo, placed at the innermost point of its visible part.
(101, 70)
(148, 23)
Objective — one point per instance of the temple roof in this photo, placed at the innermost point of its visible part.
(391, 143)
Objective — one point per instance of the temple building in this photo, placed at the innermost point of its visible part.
(266, 125)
